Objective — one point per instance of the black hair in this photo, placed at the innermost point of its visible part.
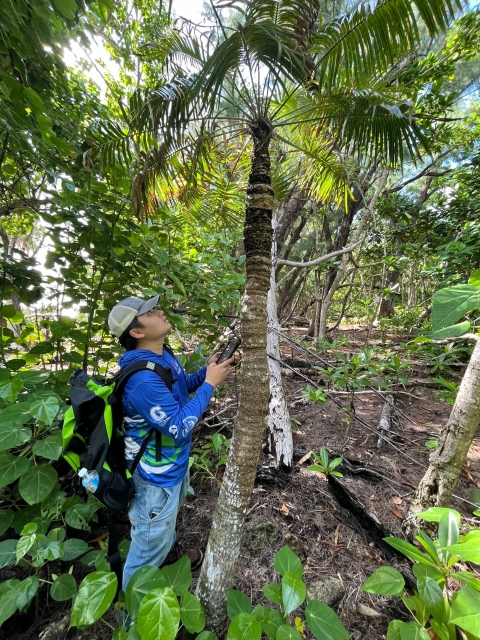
(128, 342)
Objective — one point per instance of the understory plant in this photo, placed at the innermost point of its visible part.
(439, 609)
(324, 465)
(157, 605)
(206, 460)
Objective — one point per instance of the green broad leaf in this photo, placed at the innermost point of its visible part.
(50, 447)
(424, 571)
(56, 535)
(9, 389)
(45, 409)
(429, 546)
(25, 591)
(63, 588)
(9, 311)
(13, 436)
(33, 99)
(177, 576)
(324, 622)
(206, 635)
(285, 560)
(474, 279)
(448, 531)
(269, 619)
(393, 631)
(244, 627)
(406, 631)
(15, 414)
(413, 631)
(440, 629)
(37, 482)
(434, 514)
(73, 548)
(73, 357)
(33, 379)
(385, 581)
(42, 348)
(465, 577)
(11, 468)
(237, 602)
(7, 553)
(8, 604)
(465, 551)
(452, 303)
(431, 594)
(465, 610)
(273, 592)
(6, 519)
(192, 614)
(90, 558)
(408, 550)
(52, 551)
(453, 331)
(293, 592)
(286, 632)
(142, 582)
(24, 545)
(95, 595)
(79, 515)
(15, 364)
(68, 8)
(159, 615)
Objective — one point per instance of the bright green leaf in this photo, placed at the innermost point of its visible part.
(159, 615)
(286, 632)
(37, 482)
(95, 595)
(143, 580)
(237, 602)
(11, 468)
(273, 591)
(285, 560)
(293, 592)
(50, 447)
(324, 622)
(63, 588)
(269, 619)
(385, 581)
(9, 389)
(192, 614)
(7, 553)
(177, 576)
(465, 610)
(45, 409)
(13, 436)
(244, 627)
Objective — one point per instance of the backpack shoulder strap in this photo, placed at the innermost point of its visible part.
(121, 380)
(125, 374)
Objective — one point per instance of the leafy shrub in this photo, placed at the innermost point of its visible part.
(436, 607)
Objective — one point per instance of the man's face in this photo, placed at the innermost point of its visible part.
(155, 325)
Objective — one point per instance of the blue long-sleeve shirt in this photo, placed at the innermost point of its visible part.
(148, 403)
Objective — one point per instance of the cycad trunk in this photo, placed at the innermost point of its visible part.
(225, 536)
(446, 462)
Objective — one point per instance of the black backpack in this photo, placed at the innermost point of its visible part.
(92, 437)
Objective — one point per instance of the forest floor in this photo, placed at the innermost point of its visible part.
(301, 508)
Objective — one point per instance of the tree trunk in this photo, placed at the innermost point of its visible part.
(278, 418)
(327, 301)
(223, 547)
(446, 462)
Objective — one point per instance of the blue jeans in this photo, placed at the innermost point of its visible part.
(153, 514)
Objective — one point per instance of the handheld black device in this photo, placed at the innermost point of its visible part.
(229, 350)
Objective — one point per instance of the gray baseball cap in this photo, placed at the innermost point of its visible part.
(126, 310)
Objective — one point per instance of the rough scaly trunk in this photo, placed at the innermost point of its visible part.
(225, 536)
(446, 462)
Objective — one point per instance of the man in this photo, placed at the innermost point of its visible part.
(160, 486)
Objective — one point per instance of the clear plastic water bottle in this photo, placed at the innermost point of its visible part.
(90, 479)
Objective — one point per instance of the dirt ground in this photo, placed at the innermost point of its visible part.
(301, 503)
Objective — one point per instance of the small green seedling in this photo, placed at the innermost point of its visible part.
(324, 465)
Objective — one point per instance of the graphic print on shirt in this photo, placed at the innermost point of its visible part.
(158, 416)
(188, 423)
(173, 430)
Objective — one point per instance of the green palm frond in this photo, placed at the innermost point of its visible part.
(368, 123)
(362, 45)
